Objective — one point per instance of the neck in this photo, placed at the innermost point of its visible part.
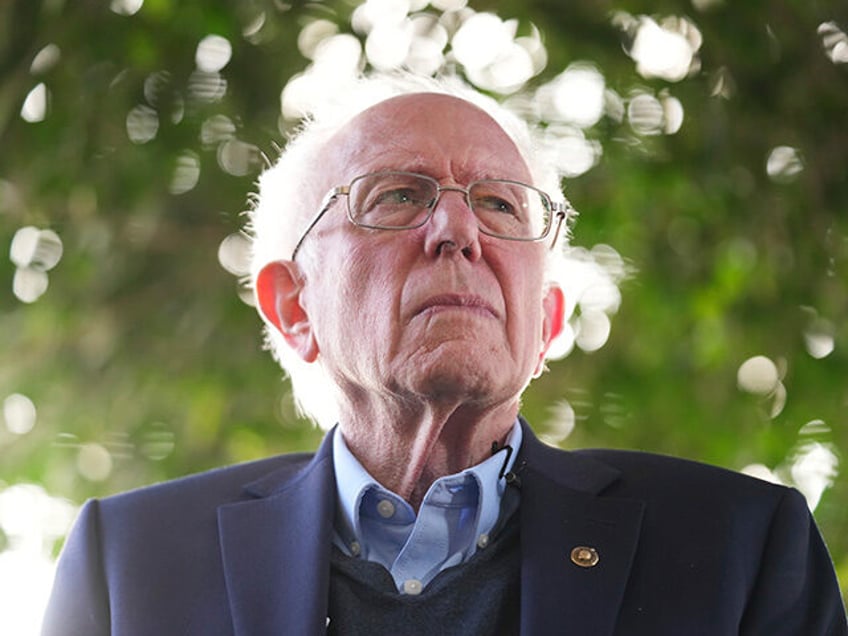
(406, 452)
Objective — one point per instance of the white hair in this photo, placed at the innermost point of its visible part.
(286, 200)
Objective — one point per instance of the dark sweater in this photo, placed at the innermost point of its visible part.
(478, 598)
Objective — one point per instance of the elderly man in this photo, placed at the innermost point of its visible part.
(401, 264)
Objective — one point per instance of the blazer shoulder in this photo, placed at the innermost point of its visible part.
(645, 473)
(220, 485)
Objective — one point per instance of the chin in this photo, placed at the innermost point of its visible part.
(463, 368)
(463, 382)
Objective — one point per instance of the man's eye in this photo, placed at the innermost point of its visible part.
(394, 197)
(494, 204)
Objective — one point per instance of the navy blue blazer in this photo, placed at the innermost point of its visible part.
(684, 550)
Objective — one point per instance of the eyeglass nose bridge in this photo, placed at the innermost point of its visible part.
(431, 208)
(466, 194)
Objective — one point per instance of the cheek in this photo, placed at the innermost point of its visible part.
(525, 314)
(366, 293)
(526, 324)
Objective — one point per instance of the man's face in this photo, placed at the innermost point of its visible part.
(441, 312)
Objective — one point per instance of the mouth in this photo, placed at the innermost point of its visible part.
(456, 302)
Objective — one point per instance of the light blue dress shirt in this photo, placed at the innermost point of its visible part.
(454, 520)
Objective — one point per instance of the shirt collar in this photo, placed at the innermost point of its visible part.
(353, 481)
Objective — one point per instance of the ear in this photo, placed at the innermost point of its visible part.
(278, 288)
(553, 309)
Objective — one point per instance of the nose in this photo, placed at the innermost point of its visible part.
(453, 228)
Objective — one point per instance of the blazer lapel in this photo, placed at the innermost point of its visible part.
(276, 550)
(576, 547)
(276, 547)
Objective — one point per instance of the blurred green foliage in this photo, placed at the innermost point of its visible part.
(142, 345)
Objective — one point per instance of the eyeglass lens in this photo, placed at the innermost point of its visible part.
(404, 200)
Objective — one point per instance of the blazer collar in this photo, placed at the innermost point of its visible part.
(276, 549)
(561, 512)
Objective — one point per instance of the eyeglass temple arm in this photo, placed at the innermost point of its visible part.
(328, 200)
(565, 213)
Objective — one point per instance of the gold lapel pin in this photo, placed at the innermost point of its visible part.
(585, 556)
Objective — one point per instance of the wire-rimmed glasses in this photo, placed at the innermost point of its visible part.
(398, 200)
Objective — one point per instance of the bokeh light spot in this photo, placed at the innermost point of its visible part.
(28, 285)
(313, 34)
(158, 443)
(672, 114)
(31, 520)
(157, 86)
(27, 512)
(569, 150)
(372, 13)
(19, 414)
(758, 375)
(216, 129)
(590, 277)
(835, 42)
(244, 290)
(507, 73)
(186, 173)
(34, 108)
(37, 249)
(665, 50)
(820, 338)
(142, 124)
(298, 95)
(341, 53)
(213, 53)
(722, 83)
(426, 51)
(563, 344)
(206, 86)
(126, 7)
(388, 44)
(578, 95)
(94, 462)
(614, 106)
(645, 114)
(480, 40)
(252, 31)
(778, 400)
(814, 468)
(761, 471)
(337, 59)
(234, 254)
(45, 59)
(593, 330)
(560, 424)
(449, 5)
(784, 164)
(238, 158)
(535, 49)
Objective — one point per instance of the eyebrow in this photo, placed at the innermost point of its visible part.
(418, 166)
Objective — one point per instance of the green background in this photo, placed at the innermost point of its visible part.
(142, 345)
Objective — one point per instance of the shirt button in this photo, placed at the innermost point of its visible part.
(386, 508)
(483, 541)
(412, 587)
(355, 548)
